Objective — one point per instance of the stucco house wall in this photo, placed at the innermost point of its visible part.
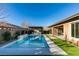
(66, 32)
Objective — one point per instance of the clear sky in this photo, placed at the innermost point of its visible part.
(39, 14)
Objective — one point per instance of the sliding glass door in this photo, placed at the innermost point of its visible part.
(60, 31)
(75, 29)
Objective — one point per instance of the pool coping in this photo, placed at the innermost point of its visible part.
(54, 49)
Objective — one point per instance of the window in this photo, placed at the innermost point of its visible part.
(72, 30)
(60, 31)
(75, 29)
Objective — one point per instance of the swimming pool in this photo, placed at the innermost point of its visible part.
(29, 45)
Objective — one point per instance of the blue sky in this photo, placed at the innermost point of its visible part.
(39, 14)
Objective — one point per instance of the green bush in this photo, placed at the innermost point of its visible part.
(16, 34)
(6, 36)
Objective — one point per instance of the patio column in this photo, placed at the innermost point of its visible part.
(54, 31)
(66, 31)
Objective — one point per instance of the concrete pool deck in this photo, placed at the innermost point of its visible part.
(54, 49)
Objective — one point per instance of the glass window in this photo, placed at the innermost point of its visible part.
(77, 29)
(60, 31)
(72, 29)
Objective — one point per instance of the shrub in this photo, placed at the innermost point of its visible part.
(6, 36)
(16, 34)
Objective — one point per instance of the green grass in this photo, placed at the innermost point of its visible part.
(69, 48)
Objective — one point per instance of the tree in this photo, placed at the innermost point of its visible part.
(25, 24)
(3, 13)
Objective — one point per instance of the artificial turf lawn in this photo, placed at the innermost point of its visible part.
(69, 48)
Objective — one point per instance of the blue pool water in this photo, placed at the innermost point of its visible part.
(30, 42)
(29, 45)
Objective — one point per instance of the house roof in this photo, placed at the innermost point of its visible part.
(5, 24)
(71, 18)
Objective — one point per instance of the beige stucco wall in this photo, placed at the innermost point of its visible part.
(66, 33)
(54, 31)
